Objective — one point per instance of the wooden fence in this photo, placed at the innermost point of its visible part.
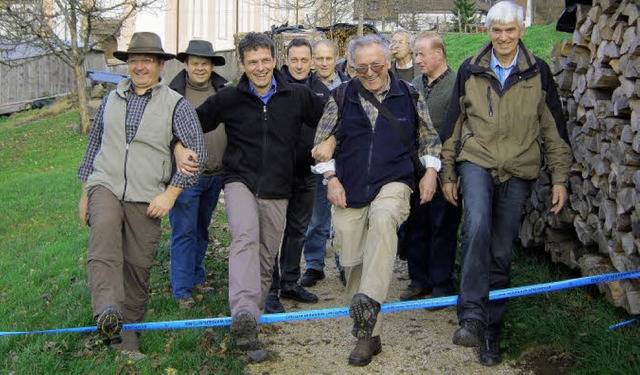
(40, 77)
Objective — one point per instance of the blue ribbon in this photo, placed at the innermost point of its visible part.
(344, 311)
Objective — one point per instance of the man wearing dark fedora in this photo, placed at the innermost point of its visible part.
(191, 215)
(128, 187)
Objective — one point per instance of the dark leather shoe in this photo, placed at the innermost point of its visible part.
(343, 278)
(489, 352)
(311, 277)
(413, 292)
(364, 350)
(273, 305)
(298, 293)
(364, 312)
(470, 333)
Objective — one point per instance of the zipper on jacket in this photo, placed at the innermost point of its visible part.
(489, 101)
(126, 157)
(373, 133)
(264, 146)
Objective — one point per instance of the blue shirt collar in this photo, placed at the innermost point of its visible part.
(495, 63)
(265, 98)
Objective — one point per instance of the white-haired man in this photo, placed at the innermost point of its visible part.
(504, 112)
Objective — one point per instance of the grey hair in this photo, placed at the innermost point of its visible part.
(400, 30)
(367, 40)
(328, 43)
(506, 12)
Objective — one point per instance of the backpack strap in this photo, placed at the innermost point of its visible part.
(339, 94)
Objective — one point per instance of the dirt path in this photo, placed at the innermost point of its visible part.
(413, 341)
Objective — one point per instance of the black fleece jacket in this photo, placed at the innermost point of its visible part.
(261, 138)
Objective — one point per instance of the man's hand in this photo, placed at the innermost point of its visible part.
(186, 159)
(428, 185)
(323, 151)
(558, 198)
(83, 206)
(162, 204)
(450, 190)
(336, 193)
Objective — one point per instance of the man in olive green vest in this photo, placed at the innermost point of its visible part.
(128, 187)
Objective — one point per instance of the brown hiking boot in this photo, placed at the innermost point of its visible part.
(364, 351)
(109, 324)
(364, 312)
(244, 330)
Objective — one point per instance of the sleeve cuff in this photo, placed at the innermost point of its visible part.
(431, 162)
(321, 168)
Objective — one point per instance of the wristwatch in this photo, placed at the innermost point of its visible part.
(326, 180)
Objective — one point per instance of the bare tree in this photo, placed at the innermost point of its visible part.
(295, 8)
(330, 12)
(66, 28)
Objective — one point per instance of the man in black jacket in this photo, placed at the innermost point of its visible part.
(191, 214)
(285, 278)
(263, 118)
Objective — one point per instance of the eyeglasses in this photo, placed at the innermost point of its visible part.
(363, 69)
(143, 62)
(401, 42)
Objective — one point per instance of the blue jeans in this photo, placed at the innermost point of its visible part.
(190, 218)
(492, 215)
(430, 236)
(318, 230)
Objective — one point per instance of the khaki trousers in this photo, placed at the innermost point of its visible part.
(122, 247)
(366, 240)
(257, 226)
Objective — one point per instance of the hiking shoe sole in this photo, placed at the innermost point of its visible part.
(244, 330)
(364, 312)
(110, 325)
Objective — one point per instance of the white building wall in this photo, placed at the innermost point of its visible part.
(213, 20)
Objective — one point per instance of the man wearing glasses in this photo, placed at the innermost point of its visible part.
(402, 65)
(128, 187)
(370, 178)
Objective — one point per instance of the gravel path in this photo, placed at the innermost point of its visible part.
(413, 341)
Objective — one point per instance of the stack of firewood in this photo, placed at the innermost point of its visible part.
(597, 74)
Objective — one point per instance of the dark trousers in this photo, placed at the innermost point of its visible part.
(492, 215)
(298, 216)
(430, 237)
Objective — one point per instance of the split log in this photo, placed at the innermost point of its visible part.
(597, 73)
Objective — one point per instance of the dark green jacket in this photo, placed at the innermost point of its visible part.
(505, 129)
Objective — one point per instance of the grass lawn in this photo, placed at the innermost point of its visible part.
(43, 283)
(539, 39)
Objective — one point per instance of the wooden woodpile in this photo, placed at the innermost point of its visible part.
(597, 74)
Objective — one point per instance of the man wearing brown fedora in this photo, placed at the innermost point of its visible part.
(191, 215)
(128, 186)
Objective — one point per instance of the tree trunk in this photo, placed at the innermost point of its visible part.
(83, 106)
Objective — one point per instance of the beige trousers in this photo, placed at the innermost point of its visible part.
(366, 240)
(257, 227)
